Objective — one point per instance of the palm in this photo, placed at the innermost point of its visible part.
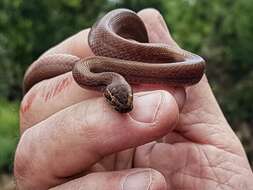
(185, 165)
(199, 154)
(188, 165)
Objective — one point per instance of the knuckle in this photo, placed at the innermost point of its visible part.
(27, 116)
(28, 100)
(22, 162)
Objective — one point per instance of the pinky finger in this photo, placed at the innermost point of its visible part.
(132, 179)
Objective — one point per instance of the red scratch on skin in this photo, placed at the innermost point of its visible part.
(28, 102)
(46, 92)
(56, 88)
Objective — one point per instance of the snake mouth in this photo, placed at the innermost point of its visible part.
(124, 109)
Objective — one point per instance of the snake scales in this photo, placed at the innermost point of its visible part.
(123, 55)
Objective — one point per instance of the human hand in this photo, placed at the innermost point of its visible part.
(72, 139)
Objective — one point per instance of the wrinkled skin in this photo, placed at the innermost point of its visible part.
(72, 139)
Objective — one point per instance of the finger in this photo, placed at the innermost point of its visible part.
(75, 45)
(157, 29)
(158, 32)
(62, 91)
(199, 94)
(134, 179)
(50, 96)
(75, 138)
(201, 119)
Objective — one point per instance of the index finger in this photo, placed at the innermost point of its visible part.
(75, 45)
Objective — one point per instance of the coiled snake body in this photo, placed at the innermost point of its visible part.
(122, 55)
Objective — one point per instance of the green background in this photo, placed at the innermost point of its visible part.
(219, 30)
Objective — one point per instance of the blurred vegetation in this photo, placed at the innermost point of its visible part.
(220, 31)
(8, 133)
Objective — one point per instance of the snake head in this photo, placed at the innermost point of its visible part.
(120, 96)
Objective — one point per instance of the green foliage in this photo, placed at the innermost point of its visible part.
(28, 28)
(8, 133)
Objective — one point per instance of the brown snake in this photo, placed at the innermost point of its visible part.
(120, 42)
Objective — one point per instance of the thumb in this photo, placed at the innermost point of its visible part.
(133, 179)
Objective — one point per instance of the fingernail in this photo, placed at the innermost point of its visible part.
(146, 106)
(140, 180)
